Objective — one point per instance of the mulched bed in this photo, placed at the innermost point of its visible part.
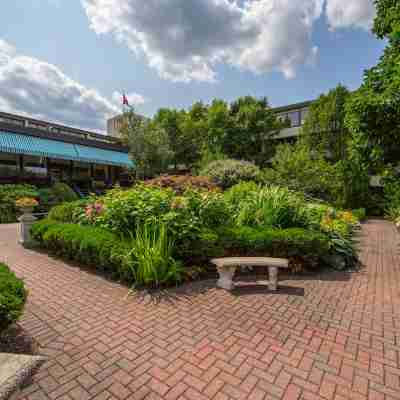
(16, 340)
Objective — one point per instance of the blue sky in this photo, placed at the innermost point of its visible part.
(68, 61)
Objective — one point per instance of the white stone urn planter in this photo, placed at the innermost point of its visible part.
(26, 221)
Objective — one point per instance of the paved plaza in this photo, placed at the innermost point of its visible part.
(330, 336)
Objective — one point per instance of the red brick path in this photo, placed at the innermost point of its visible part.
(338, 338)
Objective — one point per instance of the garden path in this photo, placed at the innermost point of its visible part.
(334, 336)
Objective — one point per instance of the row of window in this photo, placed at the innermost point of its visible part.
(9, 166)
(295, 118)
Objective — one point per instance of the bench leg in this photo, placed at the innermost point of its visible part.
(273, 278)
(225, 277)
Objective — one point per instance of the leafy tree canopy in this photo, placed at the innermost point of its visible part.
(324, 127)
(148, 145)
(387, 21)
(240, 130)
(373, 112)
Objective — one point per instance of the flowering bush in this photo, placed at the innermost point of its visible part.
(226, 173)
(180, 183)
(94, 210)
(26, 202)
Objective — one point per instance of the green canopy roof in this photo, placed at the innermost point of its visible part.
(24, 144)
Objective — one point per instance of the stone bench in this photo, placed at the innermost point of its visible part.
(227, 266)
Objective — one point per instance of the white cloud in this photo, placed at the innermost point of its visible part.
(39, 89)
(185, 39)
(350, 13)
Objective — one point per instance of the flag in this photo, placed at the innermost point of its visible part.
(125, 101)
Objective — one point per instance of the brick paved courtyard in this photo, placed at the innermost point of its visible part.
(334, 336)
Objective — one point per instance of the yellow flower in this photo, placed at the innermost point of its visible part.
(26, 202)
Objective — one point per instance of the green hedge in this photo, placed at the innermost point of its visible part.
(273, 242)
(12, 297)
(88, 245)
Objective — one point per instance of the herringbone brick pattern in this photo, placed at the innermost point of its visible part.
(333, 336)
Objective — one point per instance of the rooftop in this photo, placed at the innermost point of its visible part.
(49, 130)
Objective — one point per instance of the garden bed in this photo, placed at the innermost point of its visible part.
(151, 236)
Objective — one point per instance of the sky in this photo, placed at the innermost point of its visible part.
(69, 61)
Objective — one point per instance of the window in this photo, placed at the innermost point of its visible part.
(35, 165)
(8, 165)
(294, 117)
(81, 171)
(304, 114)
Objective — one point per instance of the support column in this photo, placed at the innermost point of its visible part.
(71, 170)
(48, 167)
(91, 175)
(21, 165)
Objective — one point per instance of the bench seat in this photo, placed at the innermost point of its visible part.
(226, 267)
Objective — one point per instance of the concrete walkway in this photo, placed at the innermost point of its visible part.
(334, 336)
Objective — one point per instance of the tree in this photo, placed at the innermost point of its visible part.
(324, 128)
(373, 112)
(181, 130)
(243, 129)
(299, 168)
(254, 124)
(148, 145)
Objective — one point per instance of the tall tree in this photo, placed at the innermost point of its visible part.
(324, 128)
(373, 114)
(148, 145)
(181, 133)
(243, 129)
(254, 124)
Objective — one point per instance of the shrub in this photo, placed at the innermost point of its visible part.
(8, 196)
(89, 245)
(273, 242)
(226, 173)
(180, 183)
(240, 192)
(63, 193)
(71, 212)
(184, 215)
(392, 198)
(146, 259)
(123, 210)
(300, 169)
(360, 214)
(12, 297)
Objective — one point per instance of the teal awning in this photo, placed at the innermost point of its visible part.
(24, 144)
(33, 146)
(103, 156)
